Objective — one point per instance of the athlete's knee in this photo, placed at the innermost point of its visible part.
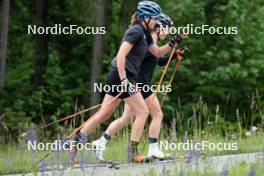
(158, 115)
(143, 112)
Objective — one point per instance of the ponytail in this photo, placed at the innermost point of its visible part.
(135, 19)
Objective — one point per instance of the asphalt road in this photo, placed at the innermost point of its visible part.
(217, 163)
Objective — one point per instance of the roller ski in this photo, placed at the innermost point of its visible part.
(152, 158)
(111, 164)
(99, 147)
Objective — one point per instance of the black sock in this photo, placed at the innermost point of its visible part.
(134, 145)
(107, 137)
(153, 140)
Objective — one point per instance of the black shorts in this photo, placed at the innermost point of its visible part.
(146, 93)
(113, 80)
(145, 90)
(145, 87)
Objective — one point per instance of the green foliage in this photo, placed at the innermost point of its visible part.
(220, 65)
(225, 70)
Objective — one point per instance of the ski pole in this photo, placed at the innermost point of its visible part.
(162, 76)
(179, 53)
(70, 135)
(63, 119)
(83, 124)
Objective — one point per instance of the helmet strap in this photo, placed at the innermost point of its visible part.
(158, 34)
(147, 23)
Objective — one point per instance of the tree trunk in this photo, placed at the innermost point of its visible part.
(128, 8)
(108, 14)
(41, 58)
(3, 41)
(3, 45)
(96, 66)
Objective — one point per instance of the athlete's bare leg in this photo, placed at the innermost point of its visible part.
(102, 115)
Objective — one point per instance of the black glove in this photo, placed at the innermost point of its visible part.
(175, 39)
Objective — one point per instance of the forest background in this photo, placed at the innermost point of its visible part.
(45, 77)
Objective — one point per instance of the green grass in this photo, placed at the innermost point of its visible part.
(241, 169)
(17, 159)
(244, 168)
